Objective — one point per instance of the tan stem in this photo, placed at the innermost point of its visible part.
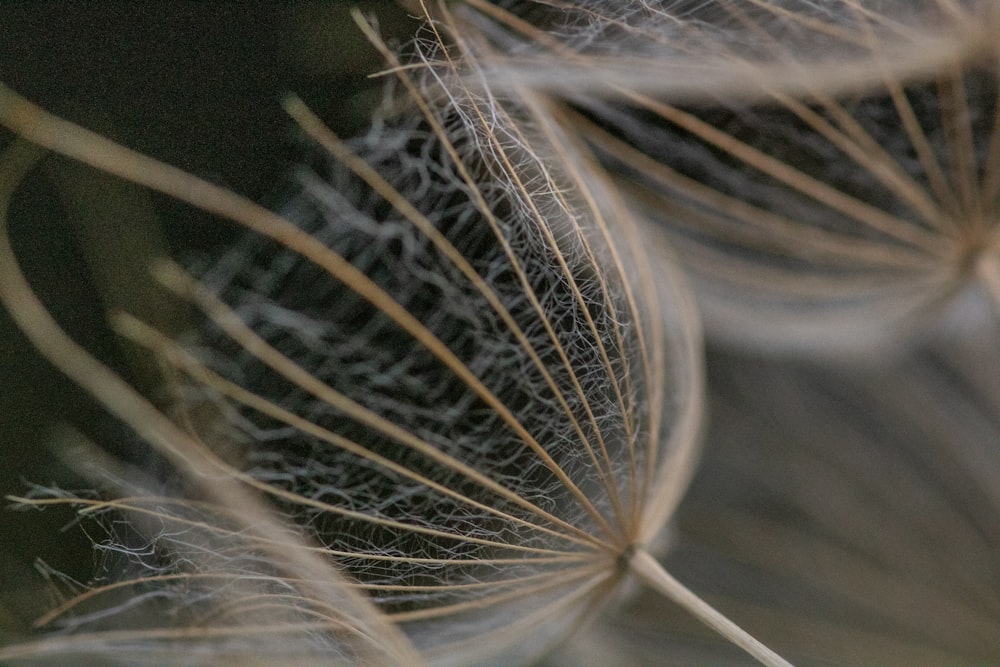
(652, 573)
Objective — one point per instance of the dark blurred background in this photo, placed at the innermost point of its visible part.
(196, 85)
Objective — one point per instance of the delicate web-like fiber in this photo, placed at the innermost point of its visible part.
(816, 216)
(452, 377)
(486, 478)
(730, 48)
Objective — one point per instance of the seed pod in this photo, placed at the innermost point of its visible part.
(449, 371)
